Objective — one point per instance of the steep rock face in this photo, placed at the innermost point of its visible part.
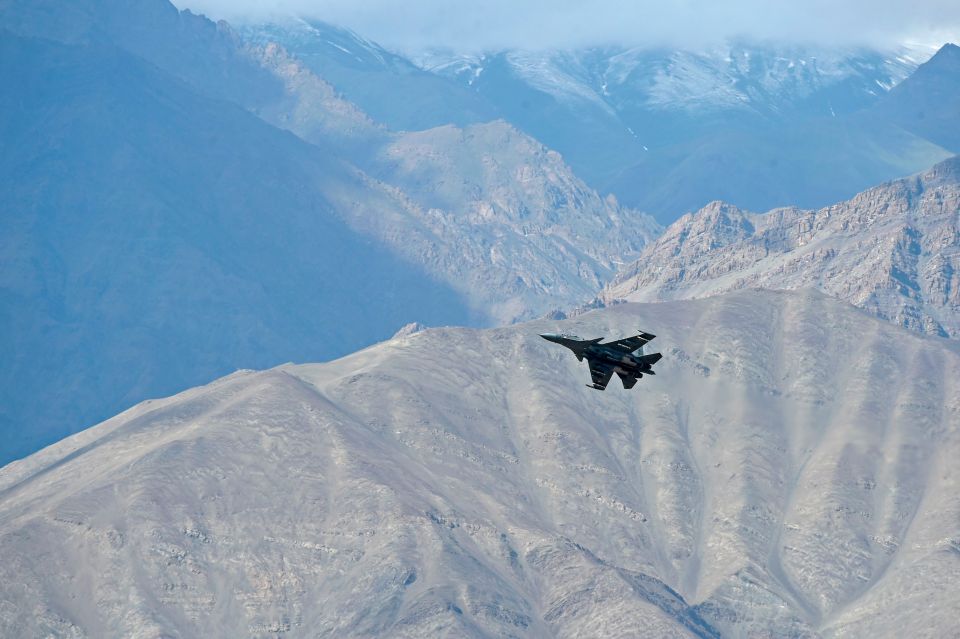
(502, 218)
(893, 250)
(790, 471)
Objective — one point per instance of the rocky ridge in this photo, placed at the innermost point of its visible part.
(893, 250)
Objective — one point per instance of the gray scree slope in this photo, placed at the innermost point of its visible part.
(791, 471)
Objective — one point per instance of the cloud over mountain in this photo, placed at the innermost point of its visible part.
(461, 24)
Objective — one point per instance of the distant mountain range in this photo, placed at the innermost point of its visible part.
(790, 472)
(893, 250)
(666, 131)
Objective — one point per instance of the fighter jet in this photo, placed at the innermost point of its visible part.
(623, 356)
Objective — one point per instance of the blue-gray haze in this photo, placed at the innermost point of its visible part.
(154, 237)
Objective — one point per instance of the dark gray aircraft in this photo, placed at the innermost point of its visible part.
(624, 357)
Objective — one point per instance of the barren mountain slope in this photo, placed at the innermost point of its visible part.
(790, 471)
(152, 239)
(485, 208)
(502, 218)
(312, 109)
(928, 102)
(893, 250)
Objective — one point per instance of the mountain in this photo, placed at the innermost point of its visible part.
(666, 131)
(809, 164)
(154, 238)
(458, 482)
(669, 130)
(662, 97)
(893, 250)
(928, 102)
(554, 96)
(313, 110)
(502, 219)
(485, 208)
(508, 261)
(168, 185)
(205, 55)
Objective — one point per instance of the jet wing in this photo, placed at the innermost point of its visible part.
(630, 344)
(601, 374)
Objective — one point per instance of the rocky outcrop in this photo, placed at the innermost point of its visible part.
(893, 250)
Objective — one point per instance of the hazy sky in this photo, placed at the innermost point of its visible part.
(494, 24)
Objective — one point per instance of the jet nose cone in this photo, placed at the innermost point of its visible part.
(552, 337)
